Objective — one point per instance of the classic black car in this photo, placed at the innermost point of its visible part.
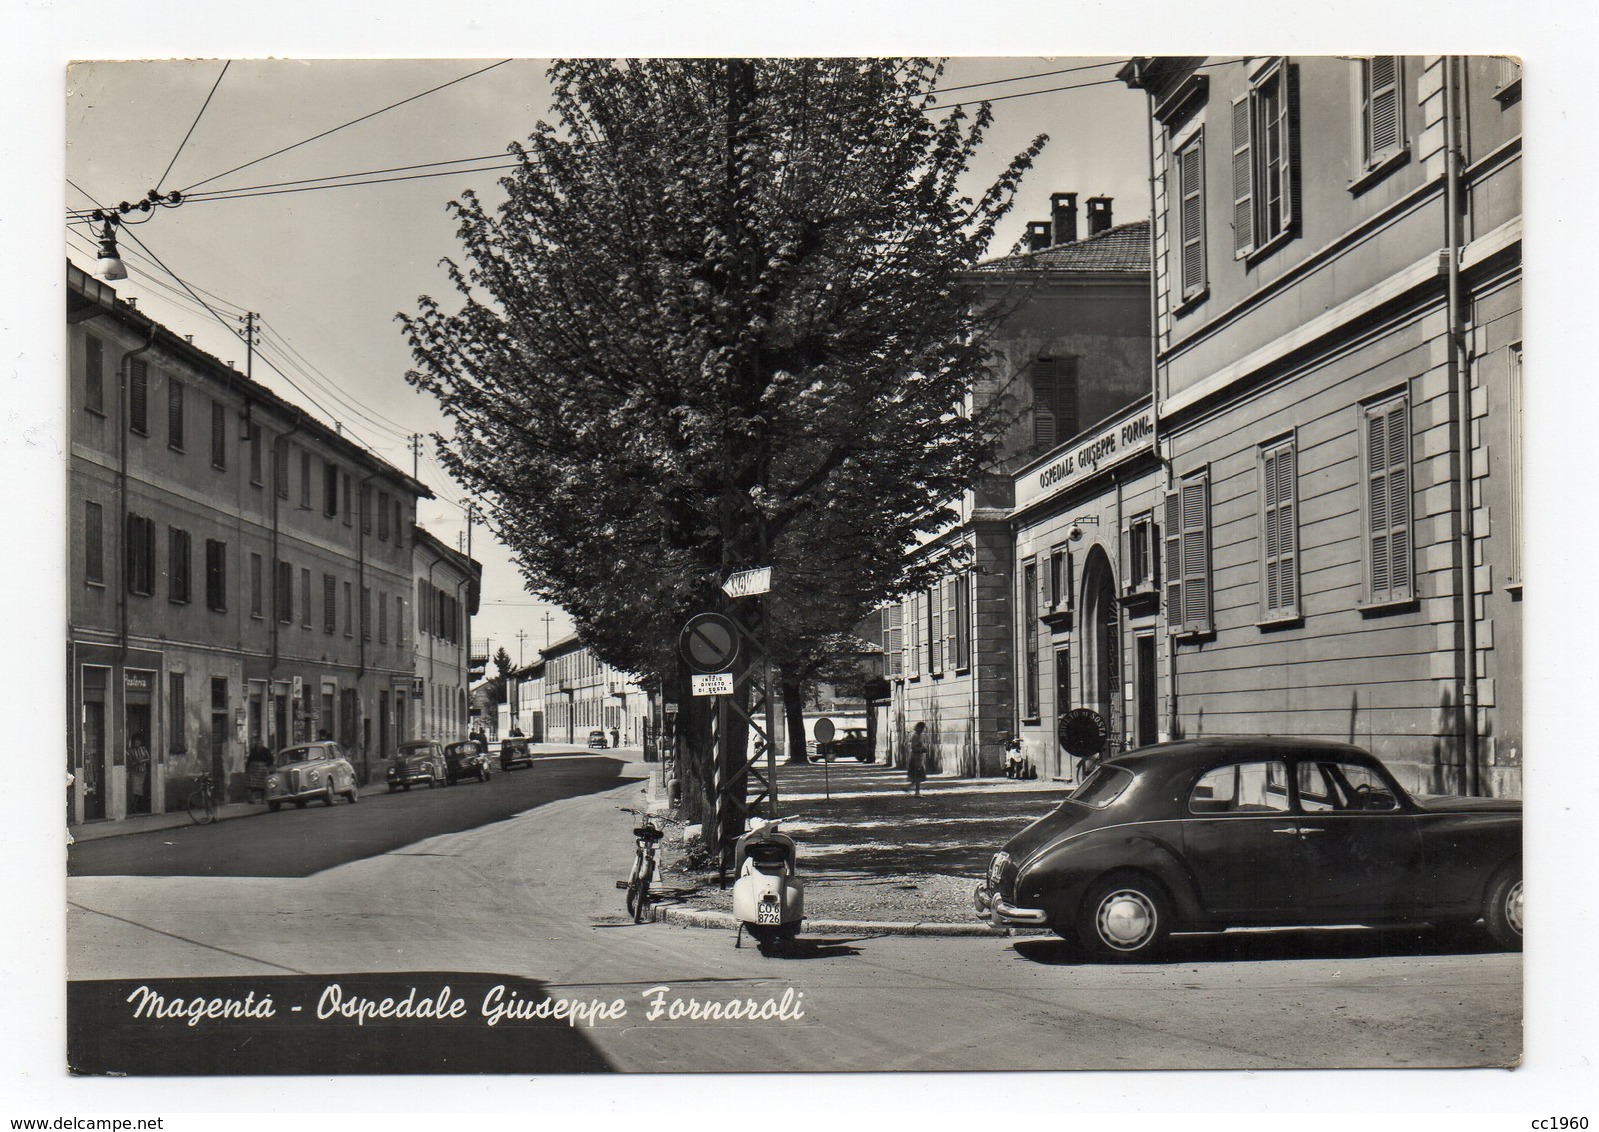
(466, 759)
(416, 761)
(1207, 834)
(515, 752)
(850, 743)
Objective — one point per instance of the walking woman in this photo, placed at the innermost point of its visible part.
(916, 764)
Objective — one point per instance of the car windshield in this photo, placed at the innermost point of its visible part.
(298, 755)
(1102, 786)
(413, 749)
(461, 750)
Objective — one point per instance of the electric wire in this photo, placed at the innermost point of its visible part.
(193, 124)
(352, 122)
(378, 420)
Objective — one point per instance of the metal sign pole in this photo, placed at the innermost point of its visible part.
(771, 723)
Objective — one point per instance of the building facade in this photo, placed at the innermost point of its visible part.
(582, 693)
(1073, 349)
(447, 587)
(237, 572)
(1338, 387)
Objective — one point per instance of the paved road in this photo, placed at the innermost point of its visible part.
(528, 905)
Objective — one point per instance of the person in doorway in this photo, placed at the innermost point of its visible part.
(916, 762)
(1015, 764)
(139, 775)
(616, 737)
(322, 735)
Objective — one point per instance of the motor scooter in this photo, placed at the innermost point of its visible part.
(768, 898)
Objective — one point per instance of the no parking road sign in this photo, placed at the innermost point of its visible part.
(708, 643)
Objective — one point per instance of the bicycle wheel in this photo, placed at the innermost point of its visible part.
(202, 807)
(640, 902)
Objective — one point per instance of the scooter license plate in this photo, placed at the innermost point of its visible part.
(768, 914)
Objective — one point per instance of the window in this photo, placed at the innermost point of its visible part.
(1143, 574)
(399, 522)
(1382, 117)
(349, 606)
(139, 397)
(255, 585)
(1189, 162)
(330, 596)
(1030, 652)
(1062, 580)
(216, 575)
(1325, 786)
(1508, 89)
(283, 592)
(93, 544)
(175, 414)
(1054, 401)
(399, 620)
(330, 488)
(1188, 556)
(1263, 171)
(1386, 438)
(305, 597)
(255, 455)
(913, 627)
(141, 554)
(219, 435)
(894, 639)
(424, 608)
(366, 509)
(280, 466)
(383, 515)
(305, 478)
(366, 613)
(935, 631)
(1241, 788)
(93, 374)
(177, 737)
(177, 565)
(1279, 532)
(344, 480)
(383, 618)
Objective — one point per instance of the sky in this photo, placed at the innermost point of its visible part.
(328, 275)
(328, 268)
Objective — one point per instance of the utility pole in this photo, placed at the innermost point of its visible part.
(416, 454)
(471, 517)
(547, 618)
(521, 635)
(252, 335)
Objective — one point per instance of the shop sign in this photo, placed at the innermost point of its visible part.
(136, 681)
(1104, 449)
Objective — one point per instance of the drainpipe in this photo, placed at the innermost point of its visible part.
(272, 667)
(1460, 363)
(124, 374)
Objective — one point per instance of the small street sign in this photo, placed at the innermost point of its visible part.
(671, 709)
(1083, 733)
(712, 684)
(748, 583)
(708, 643)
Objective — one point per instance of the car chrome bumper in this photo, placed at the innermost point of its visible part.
(1000, 914)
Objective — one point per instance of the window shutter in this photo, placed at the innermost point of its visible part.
(935, 630)
(138, 390)
(1046, 431)
(1174, 565)
(1190, 172)
(1288, 528)
(1287, 145)
(952, 625)
(1388, 497)
(1399, 500)
(893, 618)
(93, 373)
(1196, 553)
(1243, 179)
(174, 413)
(1382, 106)
(219, 435)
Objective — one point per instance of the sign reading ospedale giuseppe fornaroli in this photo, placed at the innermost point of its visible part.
(1109, 446)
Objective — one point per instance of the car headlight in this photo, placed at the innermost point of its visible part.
(272, 782)
(996, 867)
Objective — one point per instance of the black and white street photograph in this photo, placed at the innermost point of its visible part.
(796, 558)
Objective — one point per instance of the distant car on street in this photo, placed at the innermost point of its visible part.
(310, 771)
(417, 762)
(466, 759)
(597, 738)
(850, 743)
(515, 753)
(1207, 834)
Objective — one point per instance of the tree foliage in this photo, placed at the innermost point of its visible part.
(721, 320)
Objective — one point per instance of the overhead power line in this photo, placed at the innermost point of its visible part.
(193, 124)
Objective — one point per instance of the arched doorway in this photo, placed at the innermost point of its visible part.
(1100, 637)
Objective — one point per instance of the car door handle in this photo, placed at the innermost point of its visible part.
(1290, 829)
(1304, 829)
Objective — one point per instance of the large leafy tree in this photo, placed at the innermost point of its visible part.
(721, 320)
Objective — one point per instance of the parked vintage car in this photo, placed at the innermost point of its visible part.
(415, 762)
(850, 743)
(308, 771)
(515, 753)
(1207, 834)
(597, 738)
(466, 759)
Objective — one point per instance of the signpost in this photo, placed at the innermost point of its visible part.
(712, 684)
(748, 583)
(709, 642)
(824, 734)
(1083, 733)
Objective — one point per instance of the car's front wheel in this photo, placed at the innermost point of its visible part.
(274, 806)
(1502, 912)
(1124, 918)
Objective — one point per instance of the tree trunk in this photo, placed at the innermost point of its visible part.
(794, 717)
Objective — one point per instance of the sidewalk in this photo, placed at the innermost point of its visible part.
(873, 857)
(173, 819)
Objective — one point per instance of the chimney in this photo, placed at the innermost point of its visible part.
(1098, 215)
(1037, 235)
(1063, 217)
(133, 303)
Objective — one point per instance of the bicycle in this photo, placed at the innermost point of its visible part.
(203, 803)
(646, 855)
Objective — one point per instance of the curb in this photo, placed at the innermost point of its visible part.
(702, 918)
